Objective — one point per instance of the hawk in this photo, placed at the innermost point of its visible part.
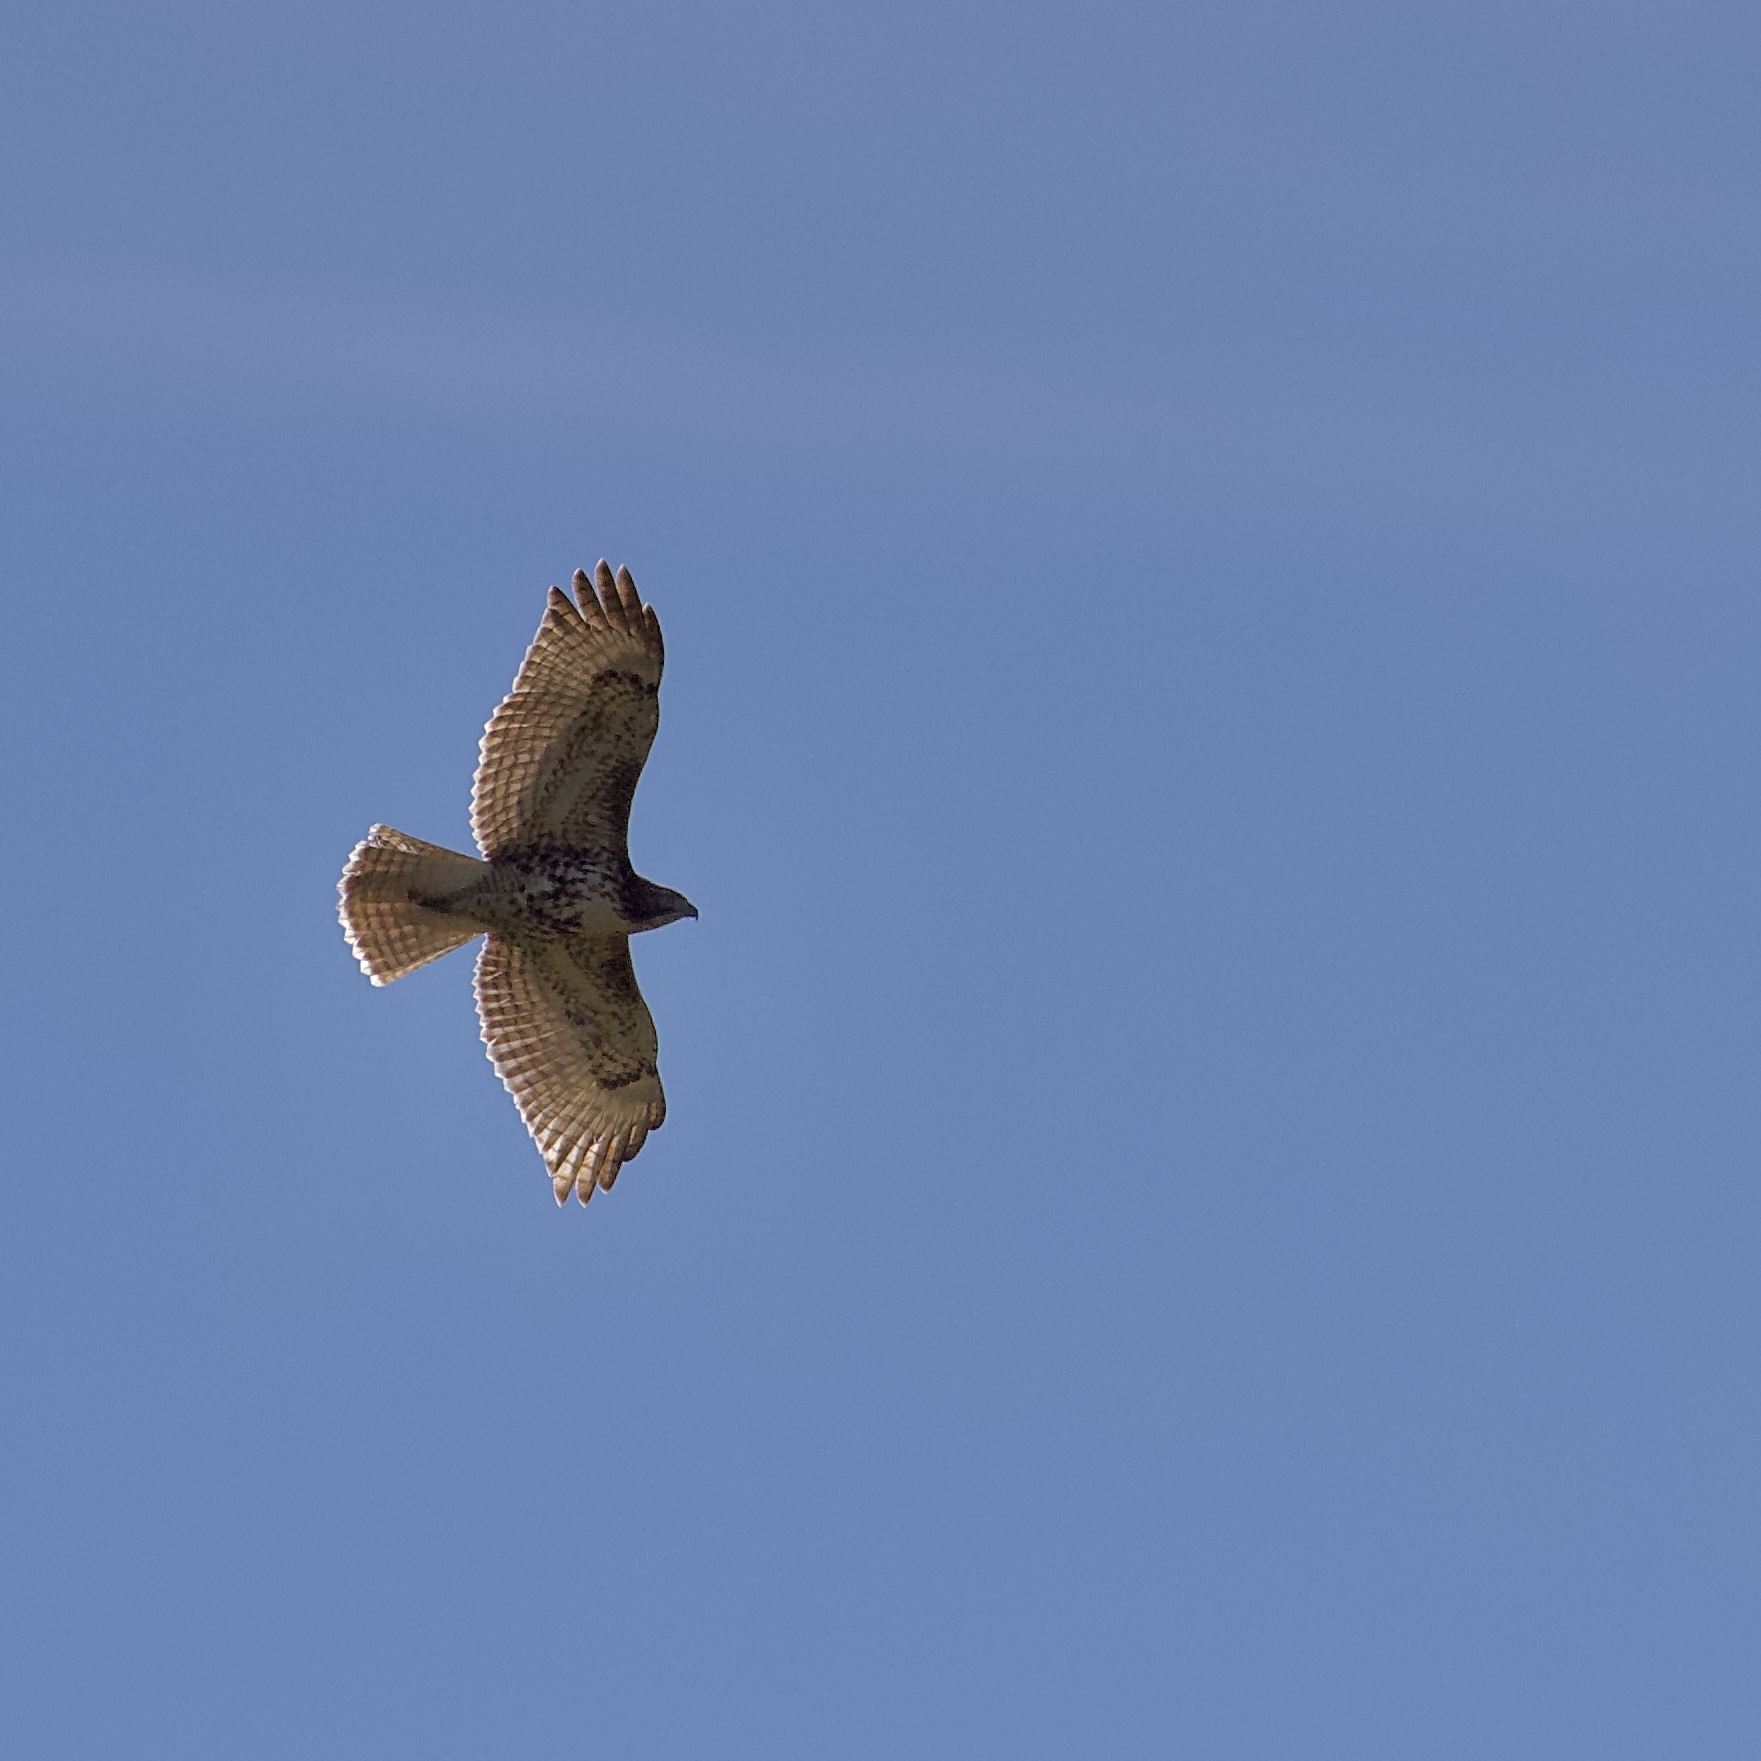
(553, 892)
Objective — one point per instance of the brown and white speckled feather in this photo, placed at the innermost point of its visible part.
(562, 754)
(570, 1036)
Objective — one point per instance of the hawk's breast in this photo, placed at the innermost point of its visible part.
(553, 890)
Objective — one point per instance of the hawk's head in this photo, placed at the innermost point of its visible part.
(658, 906)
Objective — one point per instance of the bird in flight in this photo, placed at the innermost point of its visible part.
(554, 892)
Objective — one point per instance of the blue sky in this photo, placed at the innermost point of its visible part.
(1209, 564)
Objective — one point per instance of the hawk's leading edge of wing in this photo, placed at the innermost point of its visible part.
(563, 751)
(570, 1036)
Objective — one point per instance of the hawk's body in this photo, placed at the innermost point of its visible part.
(564, 1022)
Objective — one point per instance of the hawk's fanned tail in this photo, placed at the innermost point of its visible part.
(389, 931)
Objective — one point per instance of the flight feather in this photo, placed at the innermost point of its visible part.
(564, 749)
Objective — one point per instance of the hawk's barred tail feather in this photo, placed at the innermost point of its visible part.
(389, 931)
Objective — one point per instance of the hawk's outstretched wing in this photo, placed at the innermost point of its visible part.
(562, 753)
(570, 1036)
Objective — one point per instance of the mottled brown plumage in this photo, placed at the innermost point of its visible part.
(564, 1021)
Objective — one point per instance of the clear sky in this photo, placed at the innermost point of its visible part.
(1209, 560)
